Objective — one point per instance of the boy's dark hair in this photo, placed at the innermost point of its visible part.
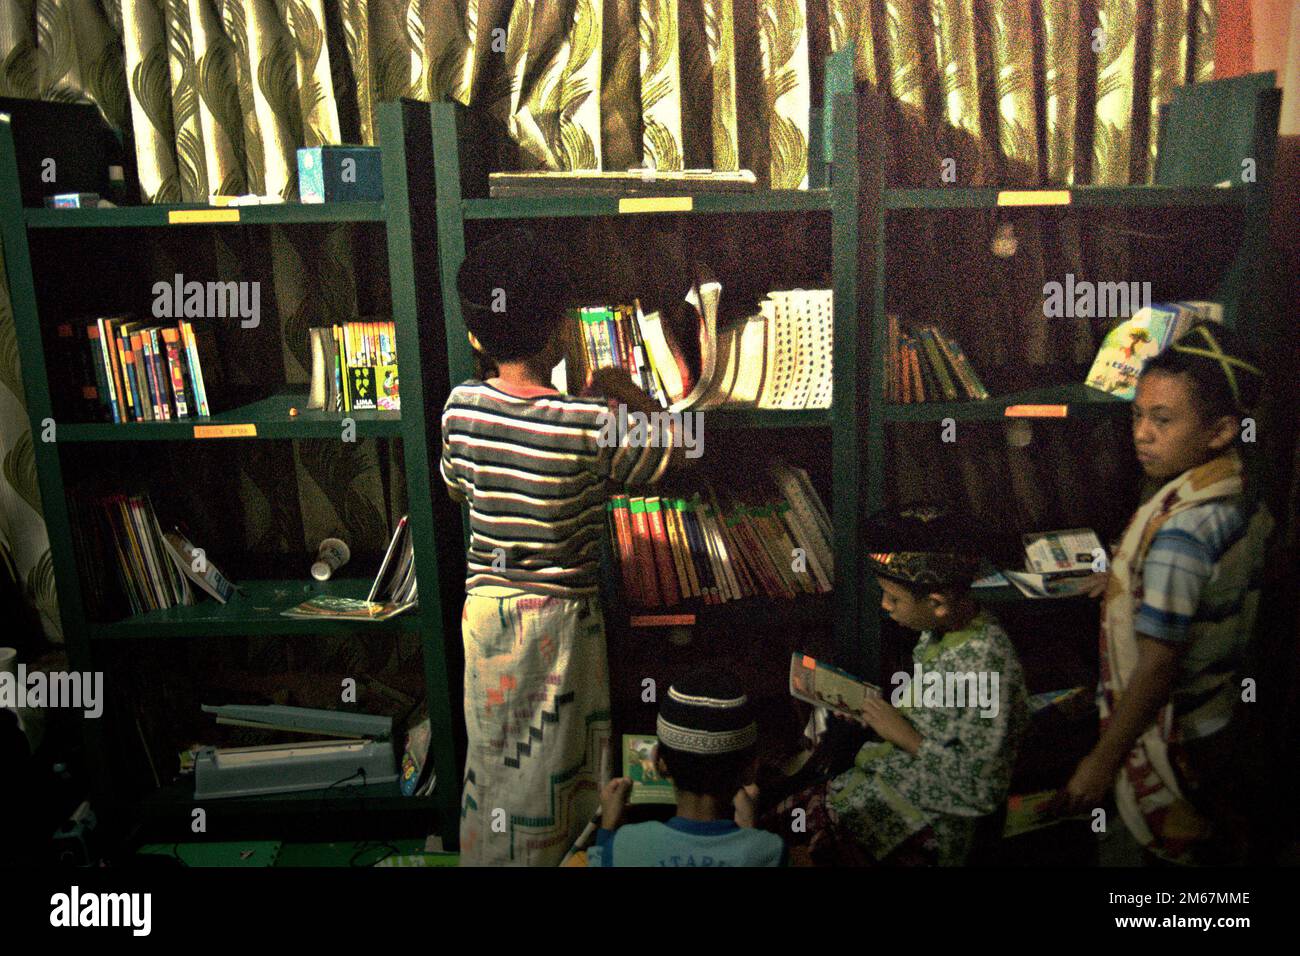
(513, 293)
(710, 707)
(1222, 369)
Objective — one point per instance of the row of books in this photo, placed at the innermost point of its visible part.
(773, 542)
(121, 539)
(779, 357)
(133, 372)
(354, 366)
(924, 365)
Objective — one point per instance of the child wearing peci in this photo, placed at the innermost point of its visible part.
(916, 796)
(707, 747)
(531, 465)
(1179, 610)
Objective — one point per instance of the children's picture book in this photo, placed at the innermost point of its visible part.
(328, 607)
(639, 766)
(1025, 813)
(194, 565)
(1058, 563)
(1071, 702)
(1137, 340)
(823, 685)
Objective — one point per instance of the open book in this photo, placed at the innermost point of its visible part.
(823, 685)
(639, 767)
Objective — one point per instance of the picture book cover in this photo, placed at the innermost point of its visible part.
(639, 766)
(326, 607)
(1128, 347)
(822, 685)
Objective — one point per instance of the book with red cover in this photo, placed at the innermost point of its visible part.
(620, 517)
(668, 584)
(643, 547)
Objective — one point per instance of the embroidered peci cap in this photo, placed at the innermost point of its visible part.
(707, 713)
(922, 545)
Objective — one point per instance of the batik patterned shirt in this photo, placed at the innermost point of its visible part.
(962, 770)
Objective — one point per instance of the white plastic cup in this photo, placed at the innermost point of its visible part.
(333, 555)
(8, 660)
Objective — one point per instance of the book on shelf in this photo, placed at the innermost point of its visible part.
(822, 685)
(639, 767)
(1138, 339)
(136, 372)
(354, 366)
(131, 565)
(777, 357)
(723, 545)
(925, 365)
(633, 182)
(1058, 563)
(392, 592)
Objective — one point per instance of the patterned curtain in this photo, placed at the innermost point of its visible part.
(218, 95)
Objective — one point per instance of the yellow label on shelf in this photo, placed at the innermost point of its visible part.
(178, 217)
(656, 204)
(1034, 197)
(225, 431)
(661, 620)
(1037, 411)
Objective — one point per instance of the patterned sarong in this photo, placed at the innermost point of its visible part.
(537, 718)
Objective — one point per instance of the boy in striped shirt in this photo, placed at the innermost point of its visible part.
(532, 463)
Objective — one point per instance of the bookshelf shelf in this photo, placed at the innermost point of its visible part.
(585, 207)
(269, 416)
(1081, 197)
(1073, 400)
(406, 219)
(134, 217)
(255, 609)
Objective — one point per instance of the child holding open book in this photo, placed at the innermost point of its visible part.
(531, 465)
(1179, 610)
(950, 730)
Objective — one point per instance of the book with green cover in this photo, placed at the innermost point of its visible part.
(937, 364)
(639, 767)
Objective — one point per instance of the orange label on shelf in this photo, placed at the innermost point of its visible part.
(225, 431)
(1034, 197)
(661, 620)
(187, 216)
(656, 204)
(1037, 411)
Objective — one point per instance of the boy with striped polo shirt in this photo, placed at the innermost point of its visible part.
(532, 464)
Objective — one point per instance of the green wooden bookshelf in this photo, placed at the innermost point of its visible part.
(462, 147)
(406, 219)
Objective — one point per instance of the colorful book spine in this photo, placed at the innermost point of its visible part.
(176, 370)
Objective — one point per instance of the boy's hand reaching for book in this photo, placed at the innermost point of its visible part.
(1097, 584)
(613, 800)
(886, 720)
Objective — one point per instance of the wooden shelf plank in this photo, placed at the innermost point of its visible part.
(255, 611)
(134, 217)
(1073, 400)
(1084, 197)
(568, 207)
(269, 416)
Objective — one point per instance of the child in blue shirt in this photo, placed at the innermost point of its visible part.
(707, 738)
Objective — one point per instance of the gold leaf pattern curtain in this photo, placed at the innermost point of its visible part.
(218, 95)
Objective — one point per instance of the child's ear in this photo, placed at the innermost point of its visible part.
(1225, 432)
(938, 603)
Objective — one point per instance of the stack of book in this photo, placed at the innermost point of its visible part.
(777, 358)
(354, 366)
(394, 589)
(120, 535)
(773, 542)
(927, 366)
(142, 373)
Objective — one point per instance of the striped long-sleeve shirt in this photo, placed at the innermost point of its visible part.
(533, 468)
